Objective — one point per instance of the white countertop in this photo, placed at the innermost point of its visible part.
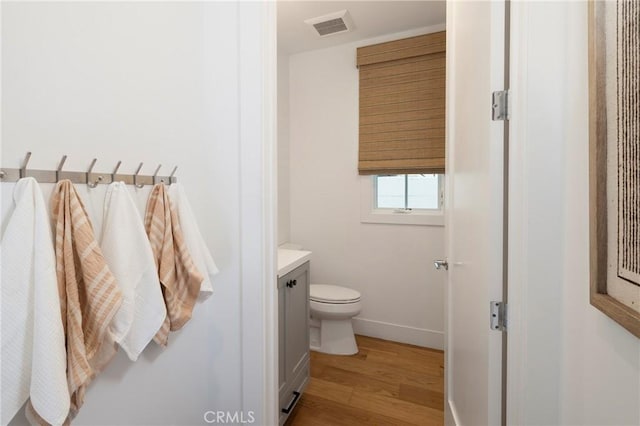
(288, 260)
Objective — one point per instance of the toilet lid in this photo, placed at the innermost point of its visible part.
(332, 294)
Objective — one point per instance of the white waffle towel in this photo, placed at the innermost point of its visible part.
(126, 249)
(193, 238)
(34, 358)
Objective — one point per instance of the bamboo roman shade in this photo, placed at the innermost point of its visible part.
(402, 106)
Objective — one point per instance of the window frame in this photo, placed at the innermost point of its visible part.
(369, 213)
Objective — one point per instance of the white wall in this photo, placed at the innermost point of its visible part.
(571, 364)
(159, 83)
(284, 217)
(391, 265)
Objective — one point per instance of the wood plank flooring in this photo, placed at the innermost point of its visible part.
(386, 383)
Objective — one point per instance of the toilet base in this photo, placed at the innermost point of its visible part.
(314, 337)
(335, 337)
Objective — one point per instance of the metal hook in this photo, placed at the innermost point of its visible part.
(155, 175)
(113, 175)
(95, 183)
(171, 175)
(135, 177)
(59, 169)
(23, 169)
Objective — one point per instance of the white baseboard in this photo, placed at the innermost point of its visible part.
(450, 415)
(399, 333)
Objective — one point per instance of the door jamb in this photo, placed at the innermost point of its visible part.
(257, 69)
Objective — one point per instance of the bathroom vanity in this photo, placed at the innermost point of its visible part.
(293, 327)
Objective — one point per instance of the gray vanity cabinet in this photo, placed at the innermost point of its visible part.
(293, 337)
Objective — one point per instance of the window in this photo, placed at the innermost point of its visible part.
(401, 149)
(408, 192)
(411, 199)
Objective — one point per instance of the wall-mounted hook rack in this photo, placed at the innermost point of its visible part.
(90, 178)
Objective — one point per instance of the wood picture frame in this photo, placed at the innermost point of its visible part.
(601, 22)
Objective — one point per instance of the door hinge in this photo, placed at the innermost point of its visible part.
(500, 105)
(498, 316)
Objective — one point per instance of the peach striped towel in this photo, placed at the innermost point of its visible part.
(178, 274)
(89, 295)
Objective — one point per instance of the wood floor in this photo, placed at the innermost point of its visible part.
(386, 383)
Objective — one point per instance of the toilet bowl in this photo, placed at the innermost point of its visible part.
(332, 308)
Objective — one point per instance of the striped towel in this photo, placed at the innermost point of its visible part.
(89, 296)
(178, 275)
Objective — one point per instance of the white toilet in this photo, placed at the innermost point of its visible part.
(332, 308)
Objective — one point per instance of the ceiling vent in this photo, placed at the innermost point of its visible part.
(333, 23)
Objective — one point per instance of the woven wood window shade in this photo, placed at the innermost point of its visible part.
(402, 106)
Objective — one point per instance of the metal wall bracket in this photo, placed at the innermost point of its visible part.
(498, 316)
(500, 105)
(441, 264)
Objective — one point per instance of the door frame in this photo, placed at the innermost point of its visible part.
(526, 84)
(450, 414)
(516, 210)
(263, 350)
(257, 71)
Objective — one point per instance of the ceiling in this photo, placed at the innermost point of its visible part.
(370, 18)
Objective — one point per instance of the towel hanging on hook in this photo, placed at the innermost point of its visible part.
(178, 274)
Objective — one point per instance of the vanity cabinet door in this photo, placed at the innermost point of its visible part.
(282, 380)
(297, 321)
(293, 337)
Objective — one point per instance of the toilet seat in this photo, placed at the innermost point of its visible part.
(333, 294)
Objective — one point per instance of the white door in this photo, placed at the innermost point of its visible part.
(475, 68)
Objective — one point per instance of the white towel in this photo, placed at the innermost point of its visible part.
(126, 249)
(193, 238)
(34, 359)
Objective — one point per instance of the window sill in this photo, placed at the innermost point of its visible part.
(435, 218)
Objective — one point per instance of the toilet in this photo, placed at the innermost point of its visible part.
(332, 308)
